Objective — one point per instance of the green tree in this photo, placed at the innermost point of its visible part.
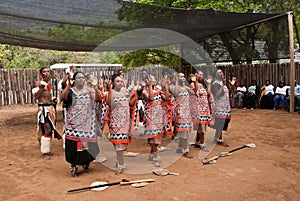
(275, 31)
(241, 44)
(24, 57)
(149, 57)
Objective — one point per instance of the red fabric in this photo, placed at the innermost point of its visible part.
(49, 87)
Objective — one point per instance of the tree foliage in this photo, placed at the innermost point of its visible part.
(25, 57)
(77, 34)
(241, 44)
(149, 57)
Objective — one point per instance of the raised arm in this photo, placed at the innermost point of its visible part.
(148, 93)
(208, 81)
(194, 84)
(174, 87)
(64, 93)
(97, 95)
(166, 95)
(109, 92)
(65, 80)
(133, 98)
(38, 89)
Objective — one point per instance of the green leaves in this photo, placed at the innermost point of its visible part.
(149, 57)
(76, 34)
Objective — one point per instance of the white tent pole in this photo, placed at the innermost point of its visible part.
(292, 63)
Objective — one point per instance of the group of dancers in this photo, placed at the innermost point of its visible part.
(168, 107)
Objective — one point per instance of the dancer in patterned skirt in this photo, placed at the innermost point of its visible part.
(182, 116)
(203, 112)
(119, 118)
(222, 110)
(81, 146)
(154, 116)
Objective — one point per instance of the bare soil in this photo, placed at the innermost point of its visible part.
(271, 171)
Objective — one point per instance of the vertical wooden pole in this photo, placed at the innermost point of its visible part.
(292, 63)
(20, 85)
(1, 87)
(26, 90)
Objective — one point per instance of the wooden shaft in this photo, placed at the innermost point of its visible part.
(136, 181)
(292, 63)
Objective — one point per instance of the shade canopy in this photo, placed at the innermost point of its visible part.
(76, 25)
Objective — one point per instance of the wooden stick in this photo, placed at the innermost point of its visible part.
(136, 181)
(123, 182)
(209, 160)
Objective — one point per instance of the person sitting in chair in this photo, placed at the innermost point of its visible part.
(239, 94)
(250, 98)
(280, 94)
(297, 97)
(266, 96)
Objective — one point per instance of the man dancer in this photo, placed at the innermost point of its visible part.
(46, 112)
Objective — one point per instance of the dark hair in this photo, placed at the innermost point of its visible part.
(76, 73)
(41, 69)
(114, 76)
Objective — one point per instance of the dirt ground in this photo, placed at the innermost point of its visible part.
(271, 171)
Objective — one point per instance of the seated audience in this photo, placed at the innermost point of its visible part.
(251, 97)
(280, 94)
(297, 97)
(238, 95)
(266, 96)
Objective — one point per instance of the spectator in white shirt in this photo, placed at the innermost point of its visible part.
(240, 91)
(269, 90)
(266, 96)
(250, 98)
(297, 97)
(280, 94)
